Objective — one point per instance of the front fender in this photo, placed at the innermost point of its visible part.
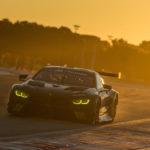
(112, 97)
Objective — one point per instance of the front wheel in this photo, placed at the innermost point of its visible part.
(94, 118)
(108, 113)
(112, 111)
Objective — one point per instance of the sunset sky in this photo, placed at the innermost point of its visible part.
(128, 19)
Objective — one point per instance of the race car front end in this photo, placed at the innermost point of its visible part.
(18, 100)
(25, 99)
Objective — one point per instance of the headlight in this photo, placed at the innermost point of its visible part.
(81, 101)
(21, 94)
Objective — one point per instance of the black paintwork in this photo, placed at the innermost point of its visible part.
(50, 97)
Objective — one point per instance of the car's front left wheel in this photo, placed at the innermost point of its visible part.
(113, 109)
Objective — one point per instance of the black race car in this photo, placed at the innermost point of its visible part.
(75, 92)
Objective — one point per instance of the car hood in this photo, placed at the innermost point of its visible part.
(39, 87)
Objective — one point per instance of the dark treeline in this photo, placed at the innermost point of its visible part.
(30, 46)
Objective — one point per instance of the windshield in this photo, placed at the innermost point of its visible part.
(66, 77)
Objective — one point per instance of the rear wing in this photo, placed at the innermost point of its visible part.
(118, 75)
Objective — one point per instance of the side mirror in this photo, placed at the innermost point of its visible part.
(106, 86)
(22, 77)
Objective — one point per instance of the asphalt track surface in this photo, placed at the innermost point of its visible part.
(130, 130)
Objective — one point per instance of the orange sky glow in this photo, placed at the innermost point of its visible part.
(127, 19)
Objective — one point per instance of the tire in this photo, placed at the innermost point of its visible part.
(95, 115)
(113, 110)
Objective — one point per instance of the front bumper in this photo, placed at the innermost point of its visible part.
(43, 106)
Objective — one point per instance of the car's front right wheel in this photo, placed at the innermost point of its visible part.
(94, 117)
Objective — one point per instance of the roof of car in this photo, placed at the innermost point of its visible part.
(70, 68)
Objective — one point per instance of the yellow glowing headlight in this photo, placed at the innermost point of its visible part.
(85, 101)
(77, 101)
(21, 94)
(81, 101)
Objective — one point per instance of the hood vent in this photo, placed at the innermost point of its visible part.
(36, 83)
(75, 88)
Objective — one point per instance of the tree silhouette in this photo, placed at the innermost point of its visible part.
(26, 45)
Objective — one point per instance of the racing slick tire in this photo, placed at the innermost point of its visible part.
(94, 117)
(113, 110)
